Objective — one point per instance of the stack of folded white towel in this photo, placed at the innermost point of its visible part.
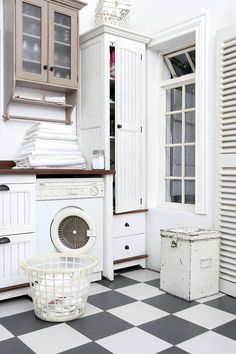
(49, 145)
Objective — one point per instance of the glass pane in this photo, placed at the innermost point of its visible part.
(189, 192)
(63, 20)
(174, 99)
(61, 73)
(62, 55)
(31, 49)
(62, 34)
(192, 56)
(181, 65)
(174, 161)
(173, 191)
(31, 26)
(190, 127)
(190, 96)
(174, 129)
(31, 67)
(31, 10)
(190, 161)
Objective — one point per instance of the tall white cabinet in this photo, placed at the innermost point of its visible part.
(112, 118)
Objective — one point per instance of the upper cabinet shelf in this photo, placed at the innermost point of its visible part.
(45, 55)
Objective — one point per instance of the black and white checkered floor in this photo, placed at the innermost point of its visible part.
(128, 316)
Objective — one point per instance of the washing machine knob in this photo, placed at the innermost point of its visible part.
(94, 191)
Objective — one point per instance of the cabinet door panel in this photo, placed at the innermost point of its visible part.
(31, 40)
(128, 146)
(63, 46)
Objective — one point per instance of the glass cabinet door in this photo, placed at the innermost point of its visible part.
(63, 46)
(31, 40)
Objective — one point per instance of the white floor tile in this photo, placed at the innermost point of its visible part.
(133, 341)
(209, 343)
(91, 310)
(53, 340)
(138, 313)
(209, 298)
(15, 306)
(4, 333)
(205, 316)
(142, 275)
(97, 289)
(140, 291)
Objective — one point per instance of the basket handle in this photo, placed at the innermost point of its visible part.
(24, 265)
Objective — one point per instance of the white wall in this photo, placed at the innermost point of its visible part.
(152, 16)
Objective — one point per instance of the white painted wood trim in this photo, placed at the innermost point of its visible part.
(159, 43)
(115, 31)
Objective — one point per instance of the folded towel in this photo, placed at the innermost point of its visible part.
(63, 132)
(52, 154)
(36, 162)
(50, 136)
(51, 127)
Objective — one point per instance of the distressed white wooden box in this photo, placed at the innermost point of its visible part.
(112, 12)
(189, 262)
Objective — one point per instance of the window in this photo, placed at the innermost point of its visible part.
(178, 127)
(181, 63)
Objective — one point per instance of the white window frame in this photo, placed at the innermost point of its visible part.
(172, 39)
(165, 85)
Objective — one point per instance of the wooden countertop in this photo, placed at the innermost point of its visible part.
(6, 169)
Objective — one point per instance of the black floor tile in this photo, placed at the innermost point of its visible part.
(14, 346)
(172, 329)
(24, 322)
(90, 348)
(173, 350)
(169, 303)
(224, 303)
(109, 300)
(119, 282)
(227, 330)
(100, 325)
(155, 282)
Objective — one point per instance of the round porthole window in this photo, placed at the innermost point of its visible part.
(72, 230)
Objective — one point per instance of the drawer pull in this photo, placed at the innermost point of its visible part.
(126, 224)
(4, 240)
(126, 247)
(4, 188)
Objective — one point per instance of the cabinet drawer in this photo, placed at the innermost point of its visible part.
(129, 224)
(17, 208)
(128, 246)
(12, 254)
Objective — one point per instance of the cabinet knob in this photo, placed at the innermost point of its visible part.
(4, 188)
(4, 240)
(119, 126)
(126, 247)
(45, 67)
(126, 224)
(51, 68)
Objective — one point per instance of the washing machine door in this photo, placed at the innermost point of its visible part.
(73, 231)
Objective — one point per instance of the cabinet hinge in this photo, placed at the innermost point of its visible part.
(77, 78)
(141, 200)
(141, 56)
(141, 129)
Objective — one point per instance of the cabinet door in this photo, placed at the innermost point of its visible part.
(31, 40)
(63, 46)
(128, 131)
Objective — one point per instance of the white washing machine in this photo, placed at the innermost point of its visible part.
(70, 217)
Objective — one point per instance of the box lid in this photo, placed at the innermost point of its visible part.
(189, 234)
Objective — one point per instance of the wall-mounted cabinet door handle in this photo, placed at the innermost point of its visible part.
(51, 68)
(127, 247)
(4, 188)
(126, 224)
(4, 240)
(45, 67)
(119, 126)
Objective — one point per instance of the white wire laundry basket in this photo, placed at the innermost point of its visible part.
(59, 283)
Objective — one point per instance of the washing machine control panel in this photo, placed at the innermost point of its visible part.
(53, 190)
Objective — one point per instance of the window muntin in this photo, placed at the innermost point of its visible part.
(181, 62)
(179, 145)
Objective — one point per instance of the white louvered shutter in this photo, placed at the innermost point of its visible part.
(129, 103)
(226, 102)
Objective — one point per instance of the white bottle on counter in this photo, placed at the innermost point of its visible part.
(98, 160)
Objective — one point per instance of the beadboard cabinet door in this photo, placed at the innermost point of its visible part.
(17, 208)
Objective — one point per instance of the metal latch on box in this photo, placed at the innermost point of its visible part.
(174, 241)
